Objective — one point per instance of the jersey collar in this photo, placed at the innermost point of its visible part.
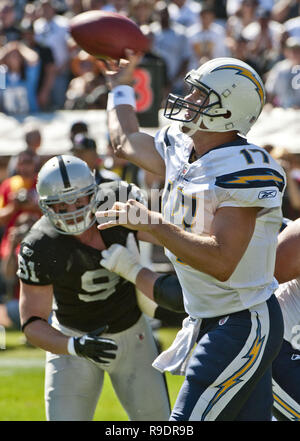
(239, 141)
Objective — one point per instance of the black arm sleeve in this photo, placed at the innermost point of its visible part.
(167, 293)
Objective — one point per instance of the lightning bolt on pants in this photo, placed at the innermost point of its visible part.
(228, 377)
(286, 386)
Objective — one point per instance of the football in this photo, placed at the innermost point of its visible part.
(107, 34)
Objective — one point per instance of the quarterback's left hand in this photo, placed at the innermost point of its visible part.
(132, 215)
(123, 261)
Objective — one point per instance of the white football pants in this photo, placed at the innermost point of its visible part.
(73, 384)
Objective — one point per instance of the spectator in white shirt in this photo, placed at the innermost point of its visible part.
(284, 10)
(233, 5)
(292, 26)
(171, 43)
(264, 35)
(119, 6)
(283, 80)
(207, 39)
(184, 12)
(51, 30)
(237, 22)
(141, 11)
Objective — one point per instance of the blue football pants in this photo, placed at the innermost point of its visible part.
(286, 383)
(229, 375)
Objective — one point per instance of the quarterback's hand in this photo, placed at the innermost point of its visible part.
(91, 346)
(122, 72)
(132, 215)
(123, 261)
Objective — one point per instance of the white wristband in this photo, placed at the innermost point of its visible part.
(71, 348)
(122, 94)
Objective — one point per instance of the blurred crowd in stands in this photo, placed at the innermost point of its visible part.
(46, 71)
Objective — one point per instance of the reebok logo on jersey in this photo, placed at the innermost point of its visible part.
(27, 251)
(223, 320)
(295, 357)
(267, 194)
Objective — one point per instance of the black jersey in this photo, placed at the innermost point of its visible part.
(86, 295)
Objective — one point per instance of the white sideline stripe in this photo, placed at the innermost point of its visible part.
(22, 363)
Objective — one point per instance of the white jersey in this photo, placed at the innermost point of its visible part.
(231, 175)
(288, 295)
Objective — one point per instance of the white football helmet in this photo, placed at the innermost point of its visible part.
(235, 97)
(65, 179)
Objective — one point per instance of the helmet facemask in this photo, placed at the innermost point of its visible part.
(178, 108)
(73, 222)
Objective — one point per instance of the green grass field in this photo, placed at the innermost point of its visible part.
(22, 383)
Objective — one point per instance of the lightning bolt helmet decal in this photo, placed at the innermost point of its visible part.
(240, 70)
